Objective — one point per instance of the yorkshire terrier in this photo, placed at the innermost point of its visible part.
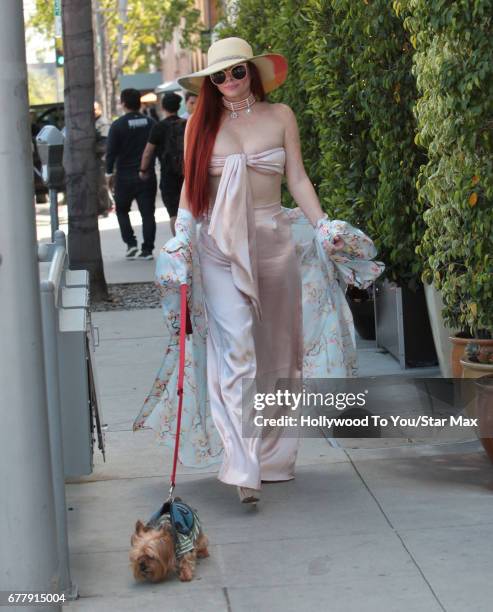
(171, 541)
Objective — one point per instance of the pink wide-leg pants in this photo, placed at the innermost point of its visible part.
(241, 348)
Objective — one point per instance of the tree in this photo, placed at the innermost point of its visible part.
(137, 32)
(150, 26)
(43, 18)
(84, 244)
(131, 34)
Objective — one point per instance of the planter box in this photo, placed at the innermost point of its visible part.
(441, 333)
(362, 305)
(402, 325)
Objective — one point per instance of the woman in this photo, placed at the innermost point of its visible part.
(237, 148)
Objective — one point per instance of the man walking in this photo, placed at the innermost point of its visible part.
(166, 140)
(190, 101)
(126, 142)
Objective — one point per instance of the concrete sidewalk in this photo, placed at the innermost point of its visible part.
(403, 528)
(117, 269)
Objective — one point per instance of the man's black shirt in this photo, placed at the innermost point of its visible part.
(127, 139)
(157, 137)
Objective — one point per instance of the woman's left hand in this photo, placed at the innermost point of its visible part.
(330, 243)
(338, 243)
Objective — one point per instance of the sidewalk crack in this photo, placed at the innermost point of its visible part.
(226, 597)
(403, 544)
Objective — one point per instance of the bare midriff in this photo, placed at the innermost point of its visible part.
(265, 188)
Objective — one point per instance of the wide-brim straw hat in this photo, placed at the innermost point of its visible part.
(224, 53)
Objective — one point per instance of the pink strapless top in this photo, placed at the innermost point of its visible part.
(232, 222)
(270, 161)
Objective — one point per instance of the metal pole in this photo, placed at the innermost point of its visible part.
(122, 20)
(28, 550)
(59, 86)
(53, 212)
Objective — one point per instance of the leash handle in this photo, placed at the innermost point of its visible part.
(181, 374)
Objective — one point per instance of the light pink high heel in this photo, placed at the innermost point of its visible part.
(248, 496)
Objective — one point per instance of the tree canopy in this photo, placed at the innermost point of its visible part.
(137, 30)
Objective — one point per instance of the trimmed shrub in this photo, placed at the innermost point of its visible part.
(454, 72)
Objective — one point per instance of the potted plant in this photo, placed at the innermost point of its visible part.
(460, 342)
(477, 360)
(478, 364)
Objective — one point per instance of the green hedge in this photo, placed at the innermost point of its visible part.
(351, 87)
(346, 190)
(364, 97)
(454, 72)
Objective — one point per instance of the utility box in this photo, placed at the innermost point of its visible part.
(81, 414)
(76, 278)
(78, 447)
(73, 368)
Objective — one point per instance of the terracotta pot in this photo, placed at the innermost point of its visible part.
(475, 370)
(483, 407)
(458, 348)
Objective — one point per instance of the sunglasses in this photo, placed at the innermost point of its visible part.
(237, 72)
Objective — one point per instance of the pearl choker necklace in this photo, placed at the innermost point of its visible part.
(234, 107)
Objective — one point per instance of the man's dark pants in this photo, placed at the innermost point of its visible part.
(127, 189)
(170, 187)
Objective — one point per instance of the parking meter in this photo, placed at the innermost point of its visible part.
(50, 149)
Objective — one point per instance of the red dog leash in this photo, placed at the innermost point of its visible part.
(185, 327)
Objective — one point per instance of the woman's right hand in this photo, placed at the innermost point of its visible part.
(174, 265)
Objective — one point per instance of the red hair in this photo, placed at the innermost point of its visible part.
(201, 136)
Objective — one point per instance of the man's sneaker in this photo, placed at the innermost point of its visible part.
(143, 255)
(131, 252)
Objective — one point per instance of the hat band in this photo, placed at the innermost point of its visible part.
(227, 58)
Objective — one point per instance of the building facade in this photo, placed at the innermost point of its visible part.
(183, 61)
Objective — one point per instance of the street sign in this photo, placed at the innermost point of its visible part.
(58, 18)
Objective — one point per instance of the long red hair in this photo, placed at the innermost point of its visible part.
(201, 136)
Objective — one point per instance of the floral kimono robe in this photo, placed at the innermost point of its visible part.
(328, 331)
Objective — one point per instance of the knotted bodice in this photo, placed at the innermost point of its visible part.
(232, 222)
(270, 161)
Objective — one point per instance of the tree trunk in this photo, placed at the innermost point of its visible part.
(99, 28)
(163, 64)
(80, 163)
(100, 94)
(108, 83)
(122, 16)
